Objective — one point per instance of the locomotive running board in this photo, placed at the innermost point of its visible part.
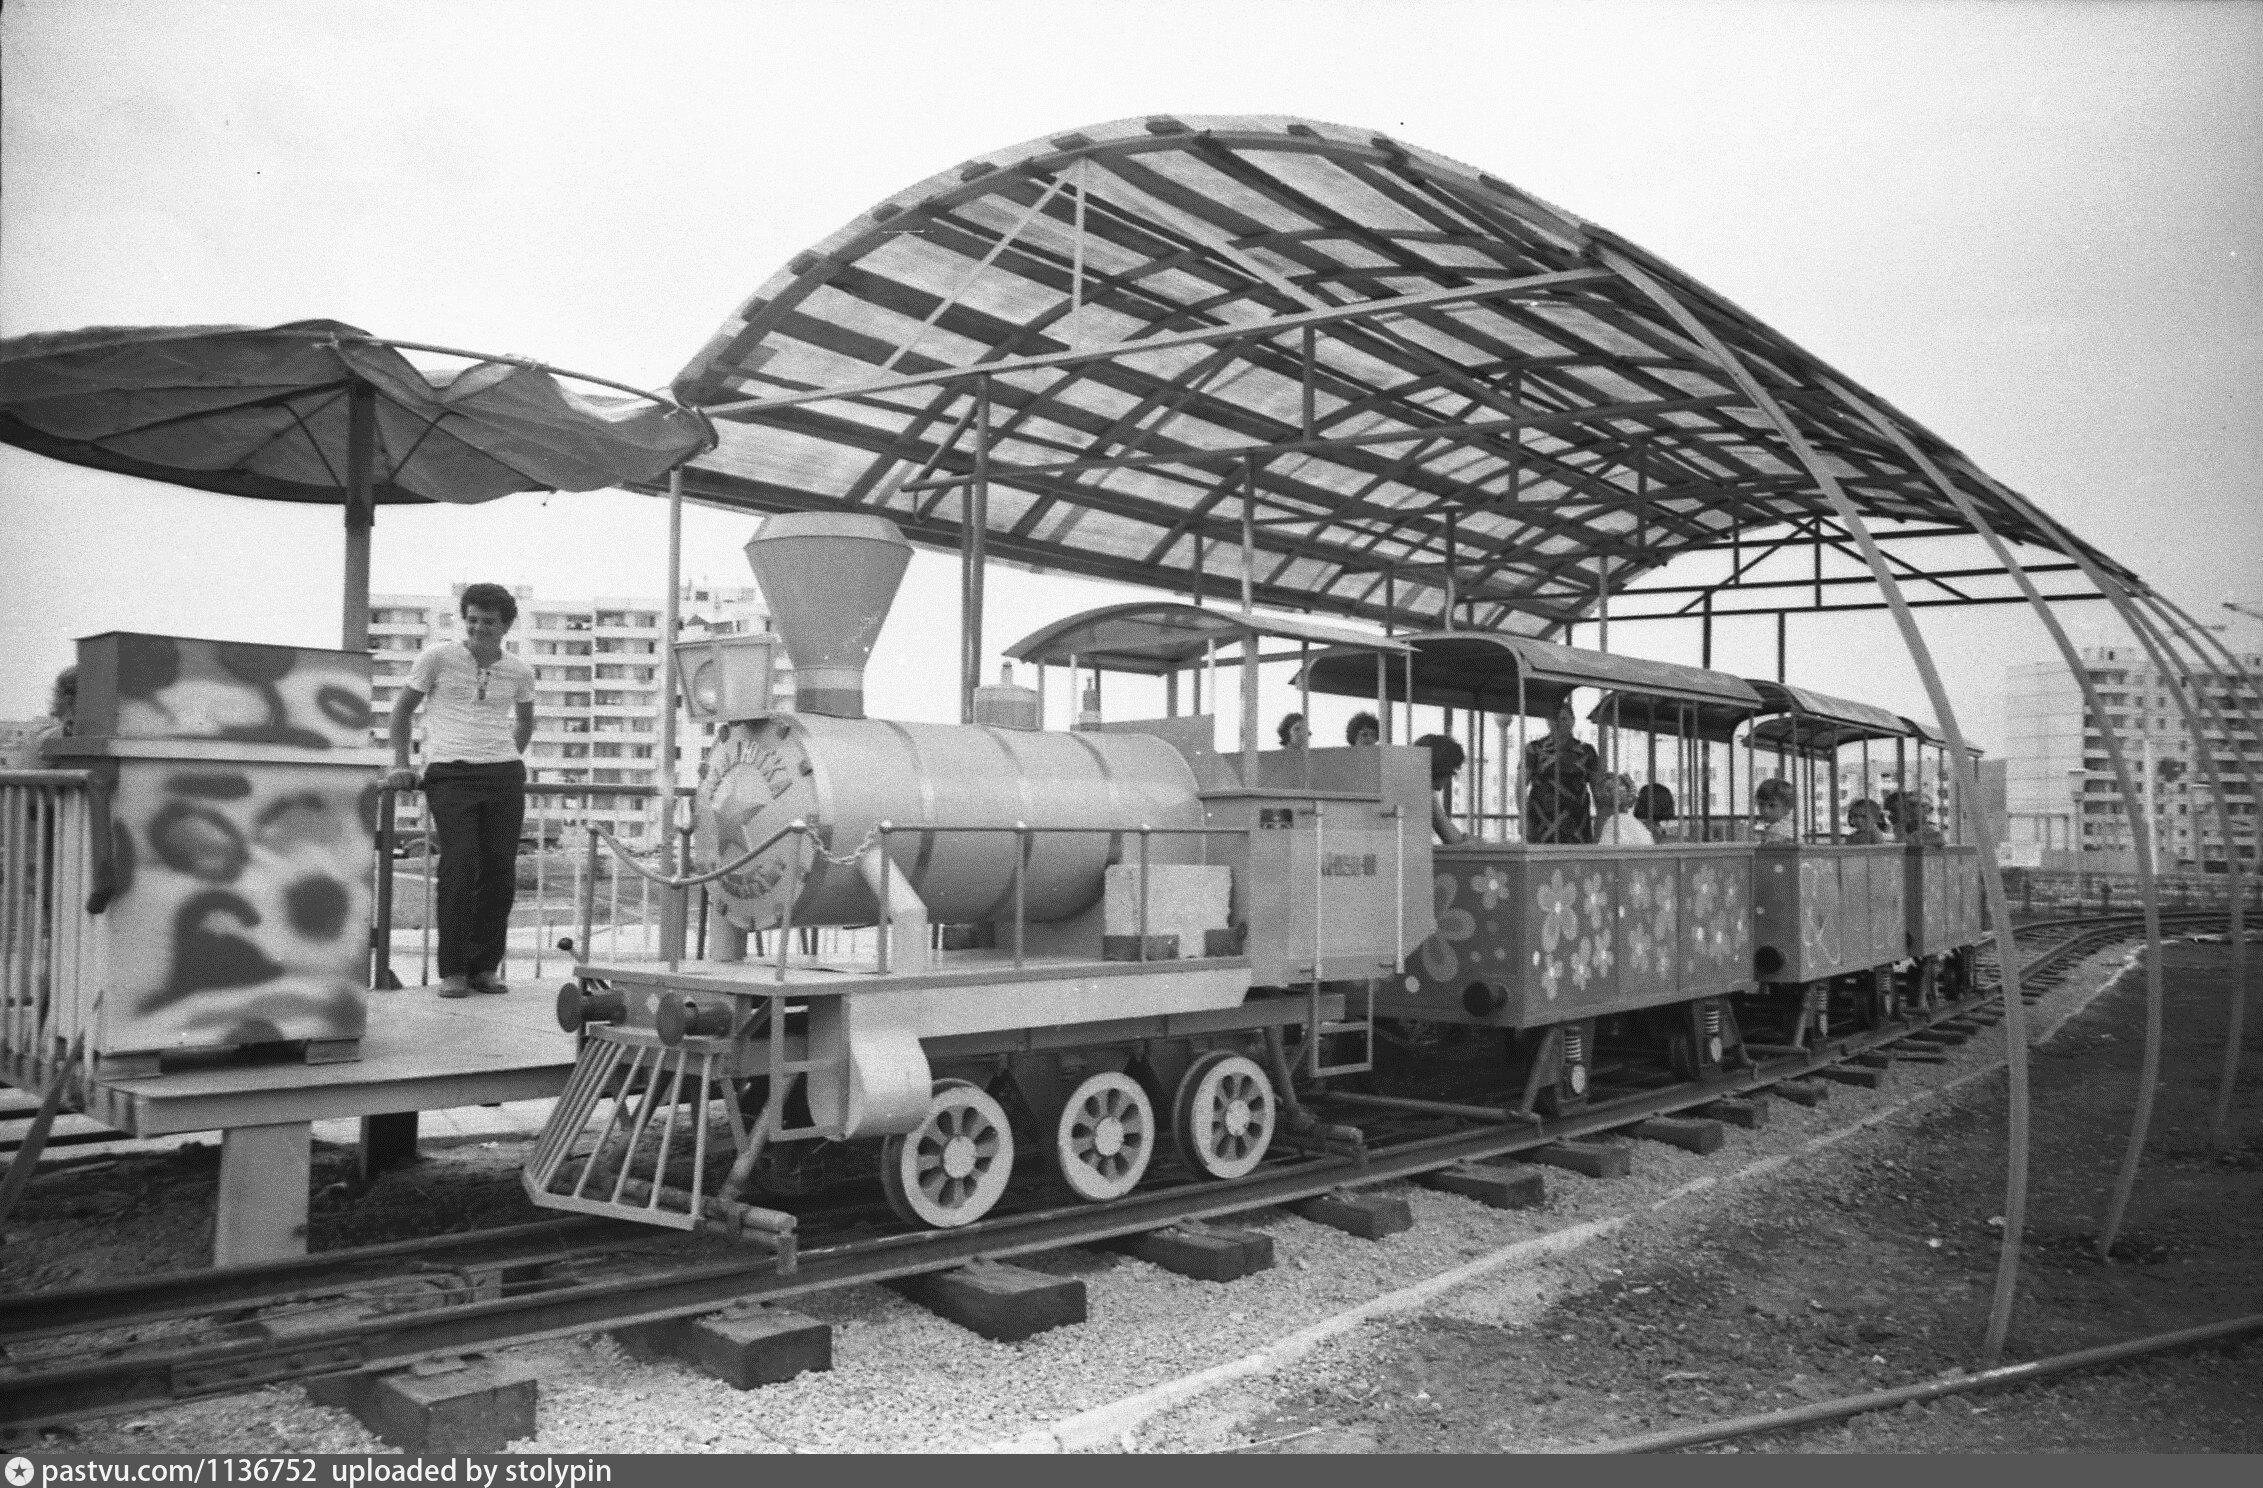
(624, 1167)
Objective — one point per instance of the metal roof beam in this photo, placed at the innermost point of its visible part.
(749, 408)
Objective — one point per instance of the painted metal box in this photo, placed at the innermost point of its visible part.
(1337, 866)
(1943, 889)
(1822, 911)
(1322, 898)
(137, 686)
(241, 802)
(1549, 933)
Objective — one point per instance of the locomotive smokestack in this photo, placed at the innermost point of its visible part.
(829, 578)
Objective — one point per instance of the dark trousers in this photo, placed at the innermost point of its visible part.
(476, 813)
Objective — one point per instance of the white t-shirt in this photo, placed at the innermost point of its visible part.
(469, 710)
(1623, 829)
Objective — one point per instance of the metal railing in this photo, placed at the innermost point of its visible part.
(2036, 889)
(558, 881)
(550, 874)
(884, 923)
(50, 972)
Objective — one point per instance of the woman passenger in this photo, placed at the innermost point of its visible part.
(1654, 807)
(1558, 772)
(1906, 811)
(1363, 729)
(1446, 758)
(1294, 732)
(1615, 797)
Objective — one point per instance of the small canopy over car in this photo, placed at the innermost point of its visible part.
(1815, 725)
(1492, 672)
(1155, 637)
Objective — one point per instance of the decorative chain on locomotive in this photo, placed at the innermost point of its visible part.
(1124, 949)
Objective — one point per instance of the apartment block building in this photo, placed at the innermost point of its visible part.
(598, 690)
(2063, 807)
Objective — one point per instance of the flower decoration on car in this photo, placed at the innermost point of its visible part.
(1559, 912)
(1440, 961)
(1595, 901)
(1819, 903)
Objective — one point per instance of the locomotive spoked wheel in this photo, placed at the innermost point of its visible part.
(1222, 1116)
(954, 1168)
(1105, 1137)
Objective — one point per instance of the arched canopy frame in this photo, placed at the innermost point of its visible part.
(1430, 395)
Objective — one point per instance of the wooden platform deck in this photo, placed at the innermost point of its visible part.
(421, 1053)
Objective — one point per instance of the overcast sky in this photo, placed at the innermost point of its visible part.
(2033, 227)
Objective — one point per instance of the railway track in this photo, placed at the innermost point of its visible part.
(134, 1345)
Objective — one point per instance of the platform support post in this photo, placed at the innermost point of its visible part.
(264, 1175)
(387, 1142)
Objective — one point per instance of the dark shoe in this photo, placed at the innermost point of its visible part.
(488, 981)
(455, 986)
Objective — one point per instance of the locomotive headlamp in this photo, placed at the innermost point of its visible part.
(727, 677)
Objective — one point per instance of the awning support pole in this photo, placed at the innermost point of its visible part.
(1451, 557)
(672, 901)
(1603, 604)
(361, 512)
(974, 535)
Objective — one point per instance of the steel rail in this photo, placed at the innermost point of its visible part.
(33, 1396)
(1987, 1379)
(175, 1294)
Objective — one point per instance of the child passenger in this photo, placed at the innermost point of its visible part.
(1773, 798)
(1446, 759)
(1866, 822)
(1614, 796)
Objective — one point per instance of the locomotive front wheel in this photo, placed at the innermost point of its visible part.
(1105, 1137)
(1222, 1116)
(956, 1165)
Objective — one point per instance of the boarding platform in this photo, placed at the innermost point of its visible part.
(420, 1053)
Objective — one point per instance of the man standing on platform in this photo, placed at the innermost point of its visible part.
(479, 719)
